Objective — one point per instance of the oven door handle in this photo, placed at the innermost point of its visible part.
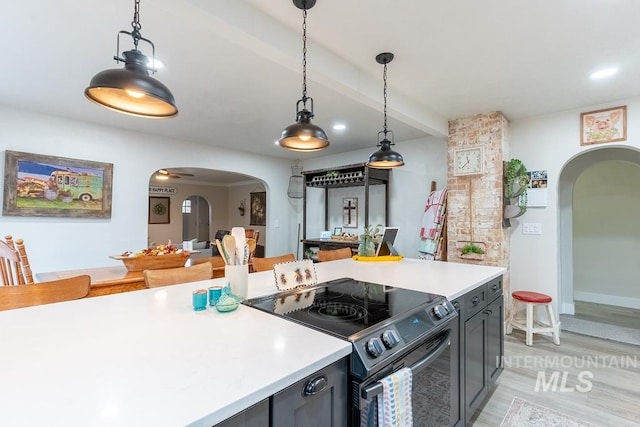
(376, 388)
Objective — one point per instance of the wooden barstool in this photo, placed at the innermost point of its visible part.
(531, 325)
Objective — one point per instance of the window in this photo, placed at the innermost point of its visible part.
(186, 206)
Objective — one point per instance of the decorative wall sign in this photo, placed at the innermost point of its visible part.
(159, 208)
(608, 125)
(258, 208)
(39, 185)
(163, 190)
(350, 212)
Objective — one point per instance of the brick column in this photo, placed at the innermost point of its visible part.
(482, 220)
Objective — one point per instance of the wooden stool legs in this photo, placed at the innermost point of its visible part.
(531, 325)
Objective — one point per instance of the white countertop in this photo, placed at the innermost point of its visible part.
(146, 358)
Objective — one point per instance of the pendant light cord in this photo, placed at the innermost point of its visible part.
(135, 24)
(384, 77)
(304, 56)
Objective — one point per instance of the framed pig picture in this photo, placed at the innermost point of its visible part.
(600, 126)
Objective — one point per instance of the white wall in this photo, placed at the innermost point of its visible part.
(57, 244)
(549, 143)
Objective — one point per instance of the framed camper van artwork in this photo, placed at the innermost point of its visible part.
(608, 125)
(39, 185)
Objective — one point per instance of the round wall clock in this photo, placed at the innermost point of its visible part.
(468, 161)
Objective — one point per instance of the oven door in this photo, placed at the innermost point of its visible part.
(435, 382)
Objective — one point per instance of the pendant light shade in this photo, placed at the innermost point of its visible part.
(304, 135)
(385, 157)
(132, 90)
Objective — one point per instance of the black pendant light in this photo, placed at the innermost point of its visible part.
(385, 157)
(303, 135)
(131, 90)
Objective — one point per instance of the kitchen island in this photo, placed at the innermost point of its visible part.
(146, 358)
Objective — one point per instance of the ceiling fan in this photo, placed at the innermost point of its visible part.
(166, 174)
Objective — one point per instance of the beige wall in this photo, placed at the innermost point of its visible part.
(224, 213)
(606, 234)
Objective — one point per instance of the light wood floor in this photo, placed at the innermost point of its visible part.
(609, 314)
(614, 399)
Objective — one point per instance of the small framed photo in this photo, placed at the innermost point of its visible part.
(350, 212)
(159, 210)
(337, 231)
(600, 126)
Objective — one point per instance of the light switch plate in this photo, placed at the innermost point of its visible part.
(531, 228)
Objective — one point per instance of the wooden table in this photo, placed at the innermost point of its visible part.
(113, 280)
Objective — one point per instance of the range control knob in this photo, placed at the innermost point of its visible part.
(441, 310)
(390, 338)
(374, 347)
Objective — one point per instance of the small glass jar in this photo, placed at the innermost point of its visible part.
(367, 246)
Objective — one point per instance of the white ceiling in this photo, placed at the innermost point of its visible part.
(234, 66)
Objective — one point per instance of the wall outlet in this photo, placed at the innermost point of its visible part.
(276, 223)
(531, 228)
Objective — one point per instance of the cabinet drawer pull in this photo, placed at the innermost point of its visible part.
(487, 312)
(495, 287)
(315, 385)
(475, 300)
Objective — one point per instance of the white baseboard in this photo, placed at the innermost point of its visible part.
(616, 300)
(568, 308)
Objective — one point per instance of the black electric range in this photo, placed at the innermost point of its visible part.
(381, 321)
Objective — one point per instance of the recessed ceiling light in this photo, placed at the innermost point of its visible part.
(601, 74)
(339, 126)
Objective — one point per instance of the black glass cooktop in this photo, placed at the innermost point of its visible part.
(343, 307)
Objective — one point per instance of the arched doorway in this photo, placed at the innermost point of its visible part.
(597, 227)
(220, 192)
(196, 213)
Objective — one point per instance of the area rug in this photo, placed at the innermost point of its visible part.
(600, 330)
(523, 413)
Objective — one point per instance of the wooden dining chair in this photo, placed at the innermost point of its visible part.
(10, 265)
(251, 233)
(22, 271)
(174, 276)
(20, 296)
(333, 254)
(217, 264)
(266, 264)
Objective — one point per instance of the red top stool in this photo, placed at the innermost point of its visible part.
(531, 325)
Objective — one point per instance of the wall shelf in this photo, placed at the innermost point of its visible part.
(355, 175)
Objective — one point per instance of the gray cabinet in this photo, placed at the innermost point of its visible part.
(254, 416)
(318, 400)
(481, 344)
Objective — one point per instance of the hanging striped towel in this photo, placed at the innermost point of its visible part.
(394, 405)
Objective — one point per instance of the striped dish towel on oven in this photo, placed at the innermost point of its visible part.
(394, 405)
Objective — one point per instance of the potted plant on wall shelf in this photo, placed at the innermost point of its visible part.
(471, 250)
(516, 180)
